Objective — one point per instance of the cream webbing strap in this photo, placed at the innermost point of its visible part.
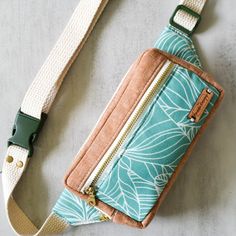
(42, 91)
(38, 100)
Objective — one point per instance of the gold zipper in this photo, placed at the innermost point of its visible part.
(91, 190)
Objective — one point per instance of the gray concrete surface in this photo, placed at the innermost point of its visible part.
(203, 200)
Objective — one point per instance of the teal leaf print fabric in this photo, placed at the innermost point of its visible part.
(152, 152)
(176, 43)
(75, 210)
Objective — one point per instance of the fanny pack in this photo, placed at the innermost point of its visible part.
(142, 140)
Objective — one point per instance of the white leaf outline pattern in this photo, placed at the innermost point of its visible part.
(177, 43)
(153, 150)
(73, 209)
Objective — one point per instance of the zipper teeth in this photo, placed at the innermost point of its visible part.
(138, 113)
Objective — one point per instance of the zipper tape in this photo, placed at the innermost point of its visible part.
(89, 187)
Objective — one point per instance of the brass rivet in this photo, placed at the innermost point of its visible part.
(19, 164)
(9, 159)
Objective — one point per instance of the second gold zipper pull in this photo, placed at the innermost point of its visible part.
(92, 197)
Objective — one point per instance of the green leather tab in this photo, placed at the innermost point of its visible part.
(26, 130)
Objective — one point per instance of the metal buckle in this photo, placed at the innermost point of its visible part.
(190, 12)
(26, 130)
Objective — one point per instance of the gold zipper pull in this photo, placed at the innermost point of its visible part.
(104, 217)
(92, 197)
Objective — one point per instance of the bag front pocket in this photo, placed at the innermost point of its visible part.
(139, 165)
(137, 169)
(110, 157)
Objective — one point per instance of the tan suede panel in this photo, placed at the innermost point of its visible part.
(136, 82)
(124, 102)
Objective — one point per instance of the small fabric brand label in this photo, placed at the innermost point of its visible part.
(201, 105)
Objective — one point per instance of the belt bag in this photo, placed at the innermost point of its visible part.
(142, 140)
(144, 137)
